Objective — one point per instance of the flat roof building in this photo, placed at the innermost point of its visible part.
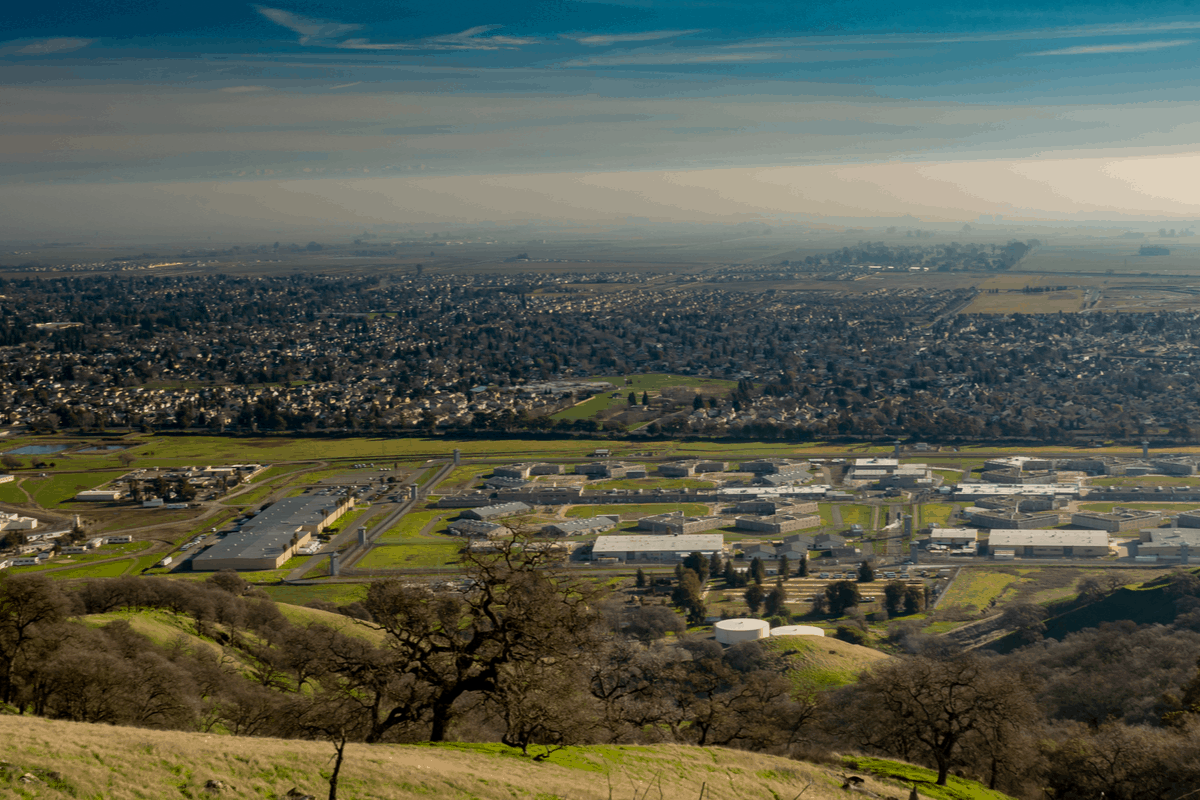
(1003, 544)
(1116, 521)
(271, 537)
(657, 548)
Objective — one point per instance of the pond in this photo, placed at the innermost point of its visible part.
(36, 450)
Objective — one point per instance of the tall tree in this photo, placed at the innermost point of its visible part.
(929, 708)
(520, 608)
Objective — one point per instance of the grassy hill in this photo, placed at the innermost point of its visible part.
(823, 662)
(76, 760)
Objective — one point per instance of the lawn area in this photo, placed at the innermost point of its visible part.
(932, 514)
(976, 588)
(11, 492)
(111, 569)
(409, 527)
(631, 510)
(826, 512)
(1147, 480)
(1107, 507)
(470, 473)
(639, 384)
(411, 555)
(339, 593)
(56, 489)
(854, 514)
(136, 517)
(651, 483)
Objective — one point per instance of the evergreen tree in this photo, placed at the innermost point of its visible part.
(731, 576)
(633, 398)
(865, 573)
(645, 398)
(802, 568)
(641, 579)
(754, 597)
(697, 563)
(773, 603)
(715, 565)
(758, 573)
(785, 567)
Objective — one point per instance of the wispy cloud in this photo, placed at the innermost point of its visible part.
(603, 39)
(345, 85)
(243, 89)
(311, 30)
(40, 47)
(1136, 47)
(470, 39)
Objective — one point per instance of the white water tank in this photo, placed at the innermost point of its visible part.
(732, 631)
(797, 630)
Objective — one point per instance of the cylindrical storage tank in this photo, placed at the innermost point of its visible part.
(797, 630)
(732, 631)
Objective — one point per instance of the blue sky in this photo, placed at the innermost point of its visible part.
(160, 93)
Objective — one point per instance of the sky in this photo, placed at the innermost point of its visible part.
(124, 115)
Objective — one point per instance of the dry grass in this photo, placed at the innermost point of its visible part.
(100, 761)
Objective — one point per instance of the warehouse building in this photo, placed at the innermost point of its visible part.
(1007, 544)
(273, 536)
(657, 548)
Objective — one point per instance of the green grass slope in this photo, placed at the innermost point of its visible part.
(822, 662)
(77, 760)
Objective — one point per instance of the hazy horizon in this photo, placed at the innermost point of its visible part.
(238, 118)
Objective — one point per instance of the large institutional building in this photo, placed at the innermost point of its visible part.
(272, 537)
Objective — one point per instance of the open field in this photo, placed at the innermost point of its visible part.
(653, 383)
(1118, 257)
(57, 489)
(1147, 480)
(1107, 507)
(339, 593)
(634, 510)
(10, 492)
(412, 555)
(977, 587)
(650, 483)
(1070, 300)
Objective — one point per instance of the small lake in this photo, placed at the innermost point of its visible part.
(37, 450)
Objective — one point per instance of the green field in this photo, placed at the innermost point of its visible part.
(639, 384)
(1107, 507)
(853, 514)
(639, 509)
(650, 484)
(410, 525)
(11, 493)
(976, 588)
(932, 514)
(411, 555)
(340, 593)
(56, 489)
(1147, 480)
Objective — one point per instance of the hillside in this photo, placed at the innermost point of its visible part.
(76, 760)
(822, 661)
